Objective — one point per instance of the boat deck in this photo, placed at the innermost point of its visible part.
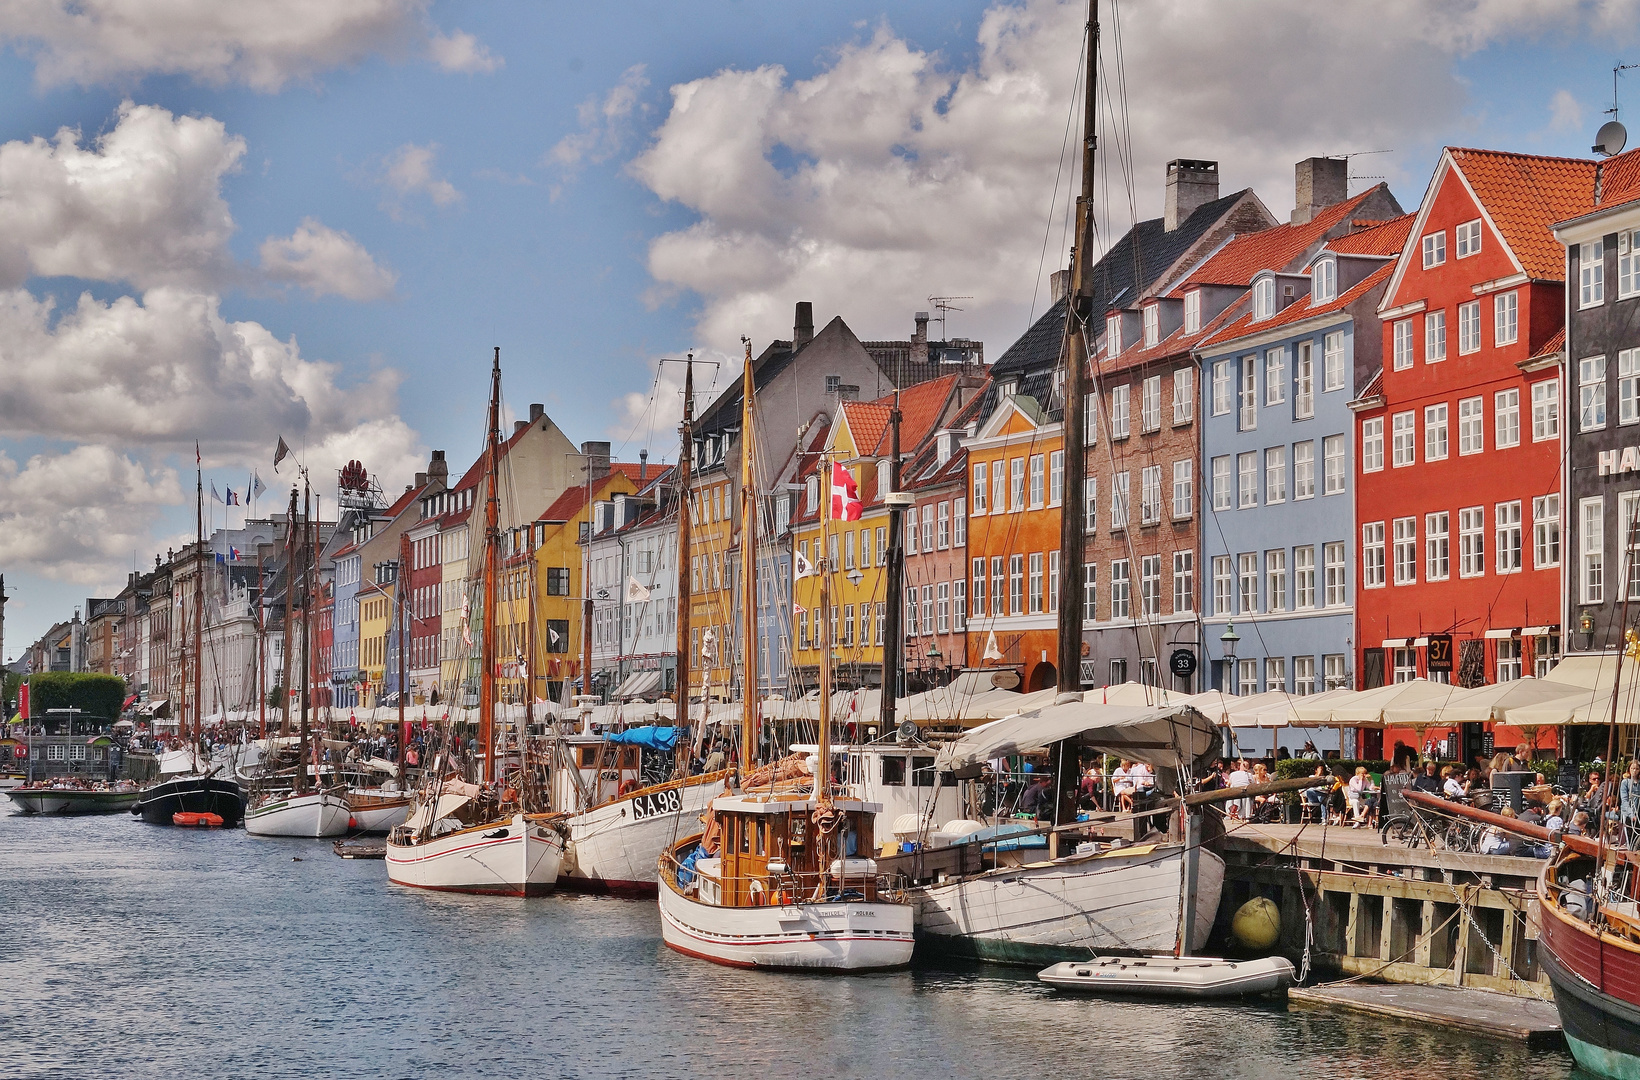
(1480, 1012)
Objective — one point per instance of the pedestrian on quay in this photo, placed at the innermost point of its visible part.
(1628, 804)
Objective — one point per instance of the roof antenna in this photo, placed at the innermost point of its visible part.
(944, 306)
(1612, 136)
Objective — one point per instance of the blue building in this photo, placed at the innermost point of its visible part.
(1277, 443)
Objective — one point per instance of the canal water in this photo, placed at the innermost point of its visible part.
(129, 950)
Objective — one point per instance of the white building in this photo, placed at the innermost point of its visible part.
(634, 642)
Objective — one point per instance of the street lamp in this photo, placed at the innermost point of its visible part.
(1229, 640)
(933, 656)
(1585, 629)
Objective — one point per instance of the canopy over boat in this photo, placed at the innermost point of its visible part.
(651, 738)
(1155, 735)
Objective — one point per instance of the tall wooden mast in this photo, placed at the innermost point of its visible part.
(307, 636)
(290, 607)
(197, 641)
(1077, 315)
(748, 570)
(492, 545)
(822, 768)
(686, 461)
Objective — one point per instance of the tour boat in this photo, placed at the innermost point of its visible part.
(312, 814)
(74, 797)
(1195, 977)
(192, 795)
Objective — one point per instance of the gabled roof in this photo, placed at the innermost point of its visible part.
(1300, 310)
(1524, 195)
(867, 421)
(1271, 249)
(1385, 238)
(1619, 179)
(569, 504)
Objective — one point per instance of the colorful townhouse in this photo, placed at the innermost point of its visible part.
(635, 538)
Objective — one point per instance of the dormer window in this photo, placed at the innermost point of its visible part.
(1324, 282)
(1113, 334)
(811, 493)
(1153, 325)
(1264, 297)
(1193, 311)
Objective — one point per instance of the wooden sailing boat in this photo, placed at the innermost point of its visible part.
(782, 875)
(618, 829)
(478, 837)
(375, 807)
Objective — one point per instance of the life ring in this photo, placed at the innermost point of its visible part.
(759, 893)
(628, 787)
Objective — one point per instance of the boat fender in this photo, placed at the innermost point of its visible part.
(759, 897)
(352, 822)
(1256, 924)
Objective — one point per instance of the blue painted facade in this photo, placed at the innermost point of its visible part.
(344, 639)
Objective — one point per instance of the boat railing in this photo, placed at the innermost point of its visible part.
(789, 886)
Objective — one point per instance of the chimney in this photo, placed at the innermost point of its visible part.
(597, 455)
(803, 326)
(919, 339)
(537, 411)
(437, 470)
(643, 465)
(1318, 183)
(421, 480)
(520, 425)
(1059, 284)
(1190, 183)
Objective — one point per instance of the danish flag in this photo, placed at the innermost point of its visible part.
(845, 496)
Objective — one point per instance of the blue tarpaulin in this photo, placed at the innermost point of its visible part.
(650, 738)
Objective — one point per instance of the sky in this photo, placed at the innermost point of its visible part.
(308, 220)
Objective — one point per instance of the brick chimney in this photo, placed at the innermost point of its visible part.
(1190, 183)
(1318, 183)
(597, 455)
(537, 411)
(919, 339)
(437, 470)
(803, 325)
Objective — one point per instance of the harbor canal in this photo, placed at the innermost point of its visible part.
(136, 951)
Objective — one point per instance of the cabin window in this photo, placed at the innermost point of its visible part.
(586, 756)
(745, 836)
(922, 772)
(629, 757)
(894, 771)
(762, 837)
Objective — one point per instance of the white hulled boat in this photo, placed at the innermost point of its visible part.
(378, 809)
(312, 814)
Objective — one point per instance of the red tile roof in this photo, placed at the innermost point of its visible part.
(570, 502)
(1556, 343)
(1271, 249)
(1300, 309)
(867, 420)
(1620, 179)
(1375, 237)
(1525, 195)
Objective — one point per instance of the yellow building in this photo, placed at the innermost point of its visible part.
(375, 619)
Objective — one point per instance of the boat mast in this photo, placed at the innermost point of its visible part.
(199, 591)
(307, 639)
(261, 652)
(748, 572)
(290, 594)
(686, 460)
(893, 581)
(822, 768)
(1078, 312)
(404, 631)
(492, 541)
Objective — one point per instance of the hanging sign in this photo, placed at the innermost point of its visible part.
(1182, 663)
(1439, 656)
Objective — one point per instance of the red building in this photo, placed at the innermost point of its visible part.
(1458, 439)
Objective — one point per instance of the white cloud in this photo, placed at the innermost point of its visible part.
(323, 261)
(886, 177)
(603, 123)
(1565, 114)
(263, 44)
(410, 173)
(459, 51)
(78, 515)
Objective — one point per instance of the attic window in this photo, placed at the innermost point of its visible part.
(1113, 334)
(1153, 325)
(1323, 282)
(811, 493)
(1193, 311)
(1264, 298)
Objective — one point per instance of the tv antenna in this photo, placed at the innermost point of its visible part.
(943, 305)
(1612, 136)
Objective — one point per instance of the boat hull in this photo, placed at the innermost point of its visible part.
(1123, 901)
(193, 795)
(312, 815)
(841, 936)
(615, 848)
(45, 801)
(378, 811)
(512, 857)
(1596, 981)
(1193, 978)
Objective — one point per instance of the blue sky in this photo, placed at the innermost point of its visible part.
(536, 186)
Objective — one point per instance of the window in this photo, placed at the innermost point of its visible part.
(1184, 395)
(1508, 659)
(979, 587)
(1469, 327)
(1628, 264)
(1038, 482)
(979, 487)
(1223, 595)
(1470, 438)
(1335, 675)
(1056, 478)
(1545, 531)
(1434, 249)
(1406, 551)
(928, 527)
(1119, 501)
(1247, 480)
(557, 581)
(911, 530)
(1505, 318)
(1591, 274)
(1332, 449)
(959, 608)
(1337, 579)
(1247, 574)
(1545, 654)
(1119, 587)
(1372, 556)
(1592, 549)
(1016, 584)
(1304, 577)
(1184, 488)
(1466, 238)
(1150, 585)
(1471, 542)
(1435, 432)
(1035, 597)
(1193, 311)
(1323, 281)
(1053, 581)
(1119, 407)
(1090, 418)
(848, 624)
(1221, 483)
(1118, 672)
(1221, 387)
(1150, 403)
(1372, 444)
(1090, 591)
(1275, 376)
(1153, 325)
(1275, 673)
(1628, 386)
(1546, 410)
(1264, 298)
(1303, 676)
(1303, 382)
(1016, 484)
(1275, 474)
(1403, 440)
(1437, 546)
(928, 609)
(1506, 411)
(942, 607)
(1150, 495)
(1403, 345)
(1090, 504)
(1591, 393)
(1628, 508)
(942, 538)
(848, 551)
(1184, 581)
(1434, 337)
(1275, 580)
(1247, 676)
(1303, 470)
(999, 487)
(1405, 663)
(1332, 349)
(1249, 393)
(882, 539)
(1113, 334)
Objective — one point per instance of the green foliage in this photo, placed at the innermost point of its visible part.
(93, 694)
(8, 689)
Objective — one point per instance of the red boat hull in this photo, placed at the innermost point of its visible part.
(1596, 979)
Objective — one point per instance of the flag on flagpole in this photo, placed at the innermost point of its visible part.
(215, 497)
(280, 453)
(233, 553)
(635, 593)
(233, 497)
(845, 495)
(802, 568)
(255, 488)
(991, 650)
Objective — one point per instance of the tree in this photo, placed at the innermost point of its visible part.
(91, 693)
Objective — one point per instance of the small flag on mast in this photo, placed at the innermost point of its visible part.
(635, 593)
(280, 453)
(991, 650)
(233, 497)
(801, 567)
(215, 497)
(845, 495)
(255, 488)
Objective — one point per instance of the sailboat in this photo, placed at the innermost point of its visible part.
(194, 789)
(479, 838)
(782, 875)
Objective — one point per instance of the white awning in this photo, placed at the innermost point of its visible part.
(1537, 631)
(1154, 735)
(638, 684)
(1420, 643)
(1506, 632)
(1395, 643)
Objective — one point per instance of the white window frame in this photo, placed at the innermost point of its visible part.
(981, 482)
(1184, 395)
(1223, 388)
(1264, 298)
(1472, 542)
(1628, 263)
(1275, 375)
(1247, 417)
(1506, 418)
(1248, 583)
(1304, 470)
(1336, 471)
(1469, 327)
(1404, 439)
(1222, 489)
(1056, 478)
(1120, 411)
(1275, 475)
(1323, 281)
(1434, 337)
(1303, 380)
(1184, 488)
(1405, 560)
(1591, 274)
(1193, 311)
(1434, 249)
(1332, 362)
(1120, 506)
(1337, 574)
(1224, 591)
(1436, 442)
(1275, 580)
(1372, 444)
(1591, 537)
(1247, 480)
(1438, 545)
(1153, 324)
(1546, 410)
(1304, 594)
(1150, 495)
(1184, 581)
(1401, 348)
(1372, 555)
(1467, 239)
(1628, 387)
(1471, 425)
(1545, 531)
(1506, 318)
(1591, 393)
(1150, 404)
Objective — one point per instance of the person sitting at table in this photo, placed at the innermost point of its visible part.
(1241, 777)
(1428, 781)
(1356, 795)
(1315, 798)
(1495, 840)
(1122, 786)
(1451, 786)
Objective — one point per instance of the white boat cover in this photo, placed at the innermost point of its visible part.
(426, 813)
(1157, 736)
